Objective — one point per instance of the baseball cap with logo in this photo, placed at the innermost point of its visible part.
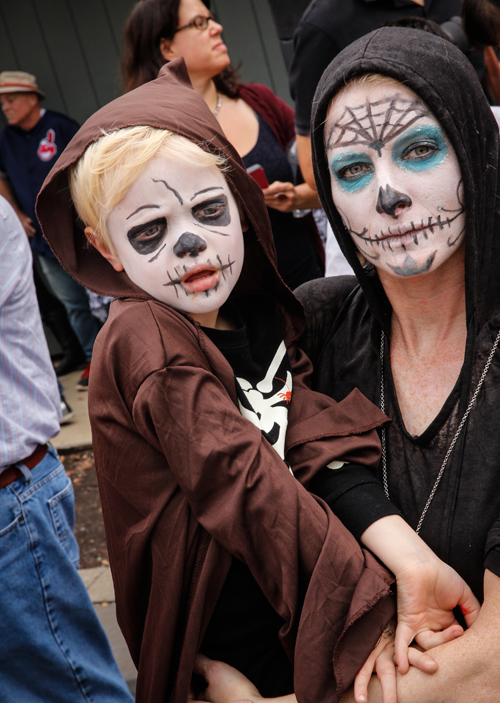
(19, 82)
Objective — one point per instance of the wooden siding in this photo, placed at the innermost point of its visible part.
(252, 39)
(73, 47)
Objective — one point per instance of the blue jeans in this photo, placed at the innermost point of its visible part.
(52, 646)
(74, 298)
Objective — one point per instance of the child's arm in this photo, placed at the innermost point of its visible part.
(228, 685)
(428, 589)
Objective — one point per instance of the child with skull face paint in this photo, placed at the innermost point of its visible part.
(195, 424)
(199, 406)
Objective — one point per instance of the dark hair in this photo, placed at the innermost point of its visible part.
(418, 23)
(149, 22)
(481, 22)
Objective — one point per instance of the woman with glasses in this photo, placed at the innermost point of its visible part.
(258, 124)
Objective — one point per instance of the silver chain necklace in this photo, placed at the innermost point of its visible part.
(218, 105)
(453, 441)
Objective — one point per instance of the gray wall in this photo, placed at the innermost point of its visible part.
(251, 37)
(73, 47)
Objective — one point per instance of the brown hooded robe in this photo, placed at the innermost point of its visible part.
(185, 480)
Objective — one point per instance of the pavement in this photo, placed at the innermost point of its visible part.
(77, 435)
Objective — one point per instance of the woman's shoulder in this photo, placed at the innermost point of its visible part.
(323, 299)
(256, 89)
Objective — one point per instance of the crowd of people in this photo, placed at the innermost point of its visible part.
(299, 490)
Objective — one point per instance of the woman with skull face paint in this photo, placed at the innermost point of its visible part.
(193, 455)
(406, 160)
(406, 164)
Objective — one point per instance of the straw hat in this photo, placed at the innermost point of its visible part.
(19, 82)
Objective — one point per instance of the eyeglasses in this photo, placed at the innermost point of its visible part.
(200, 22)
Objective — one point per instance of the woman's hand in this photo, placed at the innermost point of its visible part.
(381, 661)
(281, 196)
(286, 197)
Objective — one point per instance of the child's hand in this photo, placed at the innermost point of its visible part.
(428, 590)
(225, 684)
(381, 661)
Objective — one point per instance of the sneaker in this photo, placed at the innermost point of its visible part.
(83, 383)
(69, 363)
(66, 412)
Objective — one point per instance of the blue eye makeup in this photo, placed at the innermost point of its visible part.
(353, 171)
(420, 149)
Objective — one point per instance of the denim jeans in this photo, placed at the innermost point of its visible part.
(74, 298)
(52, 646)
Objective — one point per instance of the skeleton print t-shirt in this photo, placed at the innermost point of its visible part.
(257, 354)
(243, 629)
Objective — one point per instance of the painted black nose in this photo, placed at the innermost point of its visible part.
(389, 200)
(189, 244)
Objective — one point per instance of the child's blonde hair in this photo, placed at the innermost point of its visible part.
(102, 176)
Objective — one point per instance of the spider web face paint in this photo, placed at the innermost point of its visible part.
(375, 124)
(395, 178)
(178, 236)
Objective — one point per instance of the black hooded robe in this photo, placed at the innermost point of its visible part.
(346, 317)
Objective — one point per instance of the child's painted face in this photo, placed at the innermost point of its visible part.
(395, 179)
(178, 235)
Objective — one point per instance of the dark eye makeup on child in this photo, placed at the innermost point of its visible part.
(146, 237)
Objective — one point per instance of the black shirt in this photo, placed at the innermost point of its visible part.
(328, 26)
(462, 525)
(243, 630)
(296, 257)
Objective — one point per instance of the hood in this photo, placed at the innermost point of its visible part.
(445, 80)
(169, 102)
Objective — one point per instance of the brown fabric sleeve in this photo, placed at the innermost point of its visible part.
(320, 430)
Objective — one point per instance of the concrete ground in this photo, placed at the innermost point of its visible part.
(76, 435)
(100, 589)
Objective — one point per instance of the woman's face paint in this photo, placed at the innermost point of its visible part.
(395, 178)
(178, 235)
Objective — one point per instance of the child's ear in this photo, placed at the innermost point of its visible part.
(103, 249)
(166, 50)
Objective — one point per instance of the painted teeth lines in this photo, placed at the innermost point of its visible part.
(383, 240)
(178, 281)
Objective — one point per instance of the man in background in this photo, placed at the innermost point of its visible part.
(29, 146)
(52, 646)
